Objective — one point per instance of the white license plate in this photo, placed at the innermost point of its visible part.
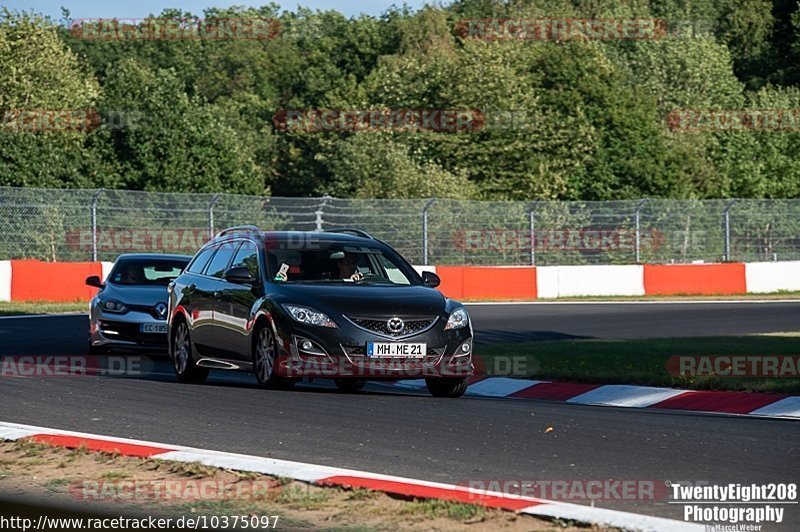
(154, 328)
(396, 350)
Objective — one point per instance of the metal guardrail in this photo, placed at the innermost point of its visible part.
(84, 225)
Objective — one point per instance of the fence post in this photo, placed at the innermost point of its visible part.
(532, 229)
(638, 218)
(727, 216)
(211, 205)
(95, 199)
(320, 211)
(425, 231)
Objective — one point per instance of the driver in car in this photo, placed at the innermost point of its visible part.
(348, 268)
(132, 275)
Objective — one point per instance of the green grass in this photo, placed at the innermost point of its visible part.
(192, 469)
(435, 508)
(21, 308)
(30, 448)
(115, 475)
(57, 484)
(640, 362)
(302, 497)
(361, 494)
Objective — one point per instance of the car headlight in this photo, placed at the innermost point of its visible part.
(112, 305)
(458, 319)
(309, 316)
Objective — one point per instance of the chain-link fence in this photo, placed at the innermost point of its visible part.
(83, 225)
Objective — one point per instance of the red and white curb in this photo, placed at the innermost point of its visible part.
(741, 403)
(335, 476)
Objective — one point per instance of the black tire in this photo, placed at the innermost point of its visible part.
(265, 352)
(441, 387)
(186, 369)
(350, 385)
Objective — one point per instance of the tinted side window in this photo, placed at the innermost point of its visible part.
(247, 257)
(219, 264)
(201, 260)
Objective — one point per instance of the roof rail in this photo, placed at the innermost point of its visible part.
(350, 230)
(239, 229)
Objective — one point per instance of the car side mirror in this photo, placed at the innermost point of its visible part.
(431, 279)
(239, 275)
(95, 281)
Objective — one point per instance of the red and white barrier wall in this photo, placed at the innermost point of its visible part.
(576, 281)
(31, 280)
(552, 282)
(5, 280)
(765, 277)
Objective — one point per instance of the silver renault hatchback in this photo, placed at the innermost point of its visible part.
(130, 310)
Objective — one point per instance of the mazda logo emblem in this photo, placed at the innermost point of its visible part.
(161, 310)
(395, 325)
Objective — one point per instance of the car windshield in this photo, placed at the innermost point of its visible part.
(335, 263)
(147, 272)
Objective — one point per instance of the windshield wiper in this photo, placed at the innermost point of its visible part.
(366, 280)
(372, 280)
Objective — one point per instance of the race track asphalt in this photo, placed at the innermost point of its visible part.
(413, 435)
(554, 321)
(499, 323)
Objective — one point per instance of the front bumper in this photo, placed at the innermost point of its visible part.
(342, 352)
(125, 330)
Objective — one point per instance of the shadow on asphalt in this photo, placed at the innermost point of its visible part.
(490, 336)
(154, 366)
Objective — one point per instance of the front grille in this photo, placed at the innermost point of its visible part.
(410, 326)
(149, 309)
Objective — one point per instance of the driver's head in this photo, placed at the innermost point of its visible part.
(347, 265)
(133, 274)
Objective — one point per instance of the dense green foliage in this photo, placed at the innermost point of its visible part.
(590, 117)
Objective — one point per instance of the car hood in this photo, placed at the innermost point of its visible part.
(136, 295)
(369, 301)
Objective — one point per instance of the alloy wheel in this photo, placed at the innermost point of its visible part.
(181, 348)
(265, 355)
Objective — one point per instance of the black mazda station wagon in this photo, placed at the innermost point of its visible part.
(338, 305)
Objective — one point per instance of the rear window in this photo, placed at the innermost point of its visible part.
(147, 272)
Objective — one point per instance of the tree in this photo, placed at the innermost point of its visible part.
(372, 164)
(528, 149)
(178, 143)
(763, 163)
(39, 77)
(681, 73)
